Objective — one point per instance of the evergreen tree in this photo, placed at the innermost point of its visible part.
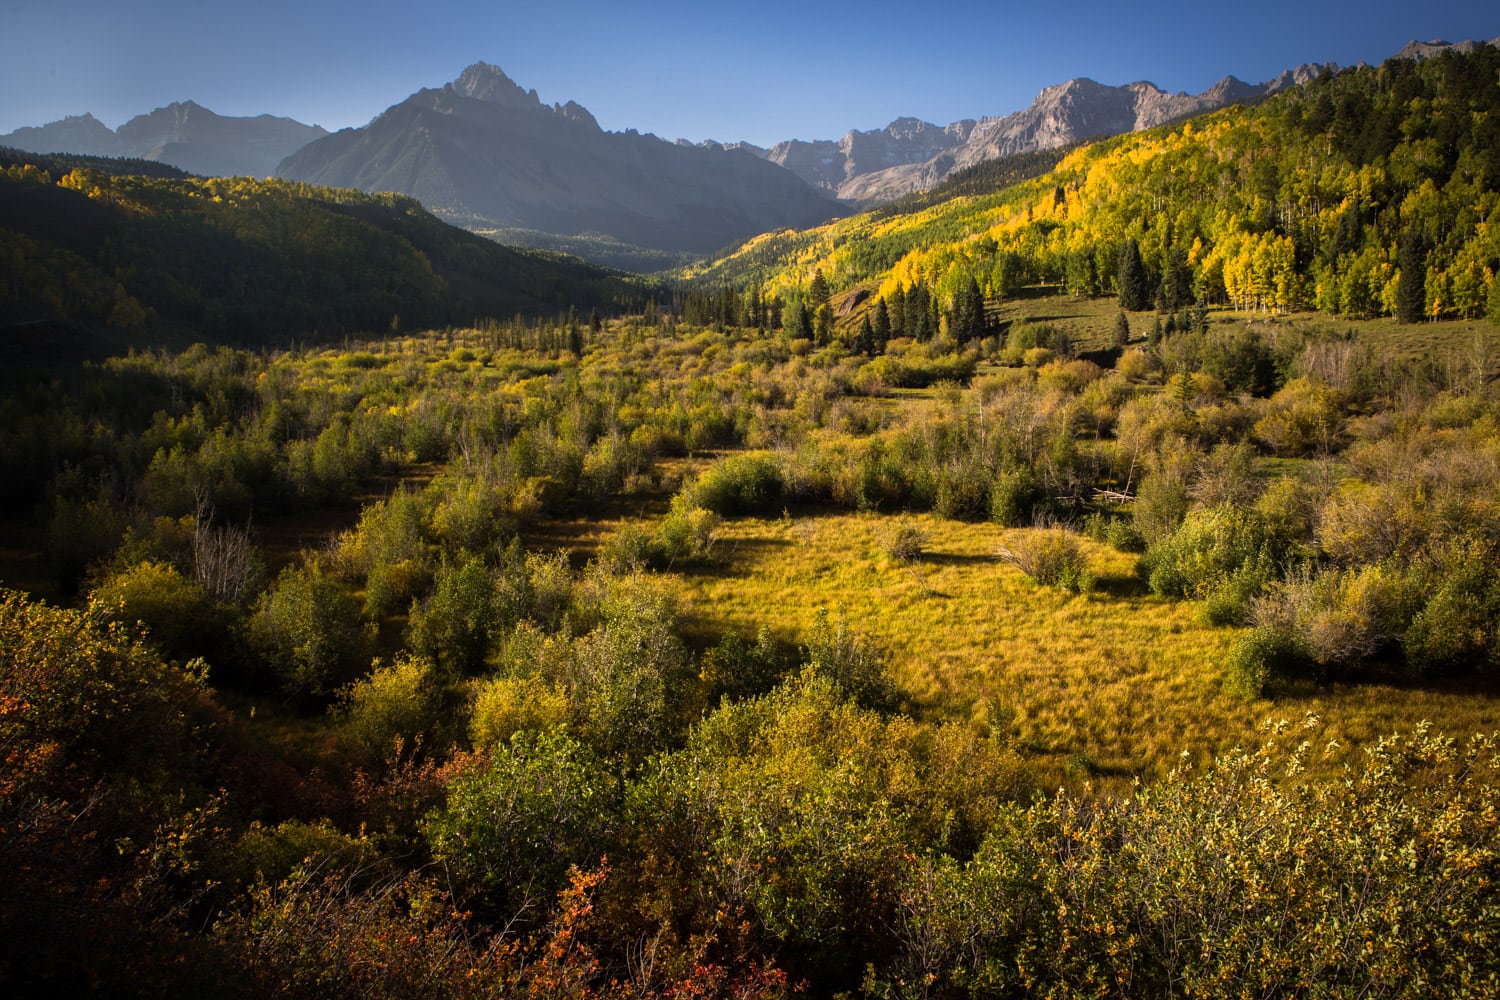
(1411, 291)
(918, 316)
(898, 312)
(823, 325)
(1135, 295)
(1177, 279)
(799, 325)
(966, 321)
(865, 343)
(882, 325)
(818, 292)
(1153, 339)
(1122, 329)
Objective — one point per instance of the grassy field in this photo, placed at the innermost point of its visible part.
(1114, 683)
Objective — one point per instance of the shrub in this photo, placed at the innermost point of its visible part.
(504, 706)
(455, 626)
(1051, 556)
(308, 634)
(398, 701)
(1213, 548)
(902, 540)
(1013, 496)
(735, 669)
(686, 533)
(1458, 625)
(180, 619)
(835, 652)
(741, 484)
(1260, 654)
(516, 820)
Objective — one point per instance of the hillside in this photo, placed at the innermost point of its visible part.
(485, 154)
(183, 134)
(1306, 201)
(254, 261)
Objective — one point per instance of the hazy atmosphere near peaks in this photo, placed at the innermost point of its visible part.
(758, 72)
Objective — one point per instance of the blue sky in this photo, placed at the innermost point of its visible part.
(761, 71)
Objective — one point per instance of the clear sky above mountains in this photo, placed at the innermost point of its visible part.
(762, 71)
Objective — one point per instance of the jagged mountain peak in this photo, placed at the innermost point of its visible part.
(484, 153)
(483, 81)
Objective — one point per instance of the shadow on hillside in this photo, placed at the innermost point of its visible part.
(1121, 586)
(737, 559)
(957, 559)
(1296, 689)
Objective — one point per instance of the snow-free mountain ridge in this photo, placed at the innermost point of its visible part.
(484, 153)
(867, 168)
(184, 134)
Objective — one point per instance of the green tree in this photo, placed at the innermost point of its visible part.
(1411, 291)
(1135, 294)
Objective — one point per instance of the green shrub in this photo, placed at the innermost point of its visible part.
(516, 820)
(396, 701)
(455, 626)
(1259, 655)
(308, 634)
(1013, 497)
(1214, 548)
(1051, 556)
(1458, 625)
(741, 484)
(686, 533)
(180, 619)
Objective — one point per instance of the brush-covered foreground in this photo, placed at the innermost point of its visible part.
(654, 659)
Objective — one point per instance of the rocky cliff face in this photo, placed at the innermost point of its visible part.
(484, 153)
(184, 135)
(866, 168)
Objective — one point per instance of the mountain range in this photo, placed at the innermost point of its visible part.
(182, 134)
(484, 153)
(909, 155)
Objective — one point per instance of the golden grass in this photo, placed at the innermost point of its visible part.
(1118, 682)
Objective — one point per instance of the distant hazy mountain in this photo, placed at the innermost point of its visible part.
(1426, 50)
(484, 153)
(184, 135)
(867, 168)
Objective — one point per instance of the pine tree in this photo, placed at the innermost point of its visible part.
(882, 325)
(799, 326)
(1411, 291)
(1135, 294)
(918, 316)
(865, 343)
(898, 312)
(1122, 329)
(966, 322)
(818, 292)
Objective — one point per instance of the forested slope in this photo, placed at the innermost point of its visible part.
(1372, 191)
(248, 261)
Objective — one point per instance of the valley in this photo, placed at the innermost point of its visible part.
(1070, 576)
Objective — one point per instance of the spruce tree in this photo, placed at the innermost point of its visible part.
(1122, 329)
(1135, 294)
(818, 292)
(882, 325)
(1411, 290)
